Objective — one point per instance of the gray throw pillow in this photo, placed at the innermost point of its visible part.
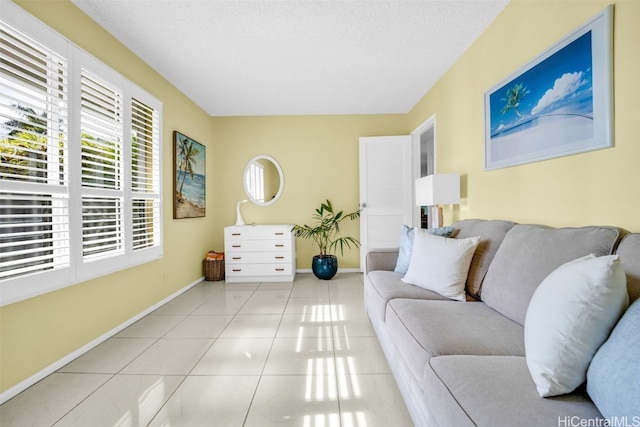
(613, 378)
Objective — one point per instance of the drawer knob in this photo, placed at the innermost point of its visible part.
(279, 245)
(279, 269)
(236, 269)
(279, 257)
(236, 246)
(236, 234)
(237, 257)
(279, 234)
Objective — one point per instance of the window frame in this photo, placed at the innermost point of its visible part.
(79, 270)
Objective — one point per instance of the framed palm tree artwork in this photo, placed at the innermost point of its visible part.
(189, 177)
(558, 104)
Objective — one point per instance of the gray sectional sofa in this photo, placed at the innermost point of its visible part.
(464, 363)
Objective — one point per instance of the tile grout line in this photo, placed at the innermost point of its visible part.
(203, 353)
(244, 422)
(334, 337)
(83, 399)
(119, 372)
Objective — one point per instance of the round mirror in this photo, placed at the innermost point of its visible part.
(263, 180)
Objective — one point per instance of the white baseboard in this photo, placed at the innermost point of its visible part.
(23, 385)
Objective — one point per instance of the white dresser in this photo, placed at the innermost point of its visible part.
(259, 253)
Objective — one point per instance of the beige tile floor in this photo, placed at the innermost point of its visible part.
(285, 354)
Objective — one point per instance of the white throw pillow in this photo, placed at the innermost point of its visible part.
(440, 264)
(570, 315)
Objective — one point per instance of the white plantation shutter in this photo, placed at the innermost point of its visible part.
(146, 223)
(145, 175)
(145, 155)
(35, 233)
(101, 130)
(34, 178)
(80, 187)
(102, 227)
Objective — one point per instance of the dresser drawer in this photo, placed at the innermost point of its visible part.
(258, 257)
(257, 232)
(232, 270)
(257, 246)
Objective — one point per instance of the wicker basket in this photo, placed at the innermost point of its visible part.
(213, 269)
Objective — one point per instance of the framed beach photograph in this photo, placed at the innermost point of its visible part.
(189, 177)
(558, 104)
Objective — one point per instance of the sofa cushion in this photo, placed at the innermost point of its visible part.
(491, 233)
(629, 253)
(529, 253)
(381, 286)
(496, 391)
(423, 329)
(405, 250)
(441, 265)
(613, 379)
(570, 315)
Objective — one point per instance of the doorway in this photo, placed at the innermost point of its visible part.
(424, 155)
(386, 191)
(389, 167)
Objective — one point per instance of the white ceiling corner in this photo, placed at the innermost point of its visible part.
(245, 58)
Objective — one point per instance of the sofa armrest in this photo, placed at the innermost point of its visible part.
(381, 259)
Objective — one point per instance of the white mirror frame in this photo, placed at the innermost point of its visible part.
(280, 174)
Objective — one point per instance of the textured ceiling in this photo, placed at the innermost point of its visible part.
(244, 58)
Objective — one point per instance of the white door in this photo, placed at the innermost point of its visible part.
(386, 199)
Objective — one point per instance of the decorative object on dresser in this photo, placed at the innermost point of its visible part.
(324, 233)
(259, 253)
(239, 220)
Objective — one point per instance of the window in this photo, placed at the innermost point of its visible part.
(80, 192)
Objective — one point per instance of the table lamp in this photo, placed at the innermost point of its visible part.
(436, 190)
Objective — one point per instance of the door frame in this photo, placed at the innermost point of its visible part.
(415, 146)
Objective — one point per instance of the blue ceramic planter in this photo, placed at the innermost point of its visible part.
(324, 267)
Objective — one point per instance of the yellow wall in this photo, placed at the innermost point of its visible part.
(39, 331)
(599, 187)
(319, 157)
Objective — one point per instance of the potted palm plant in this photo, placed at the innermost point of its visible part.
(325, 232)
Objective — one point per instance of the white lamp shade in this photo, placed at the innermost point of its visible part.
(439, 189)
